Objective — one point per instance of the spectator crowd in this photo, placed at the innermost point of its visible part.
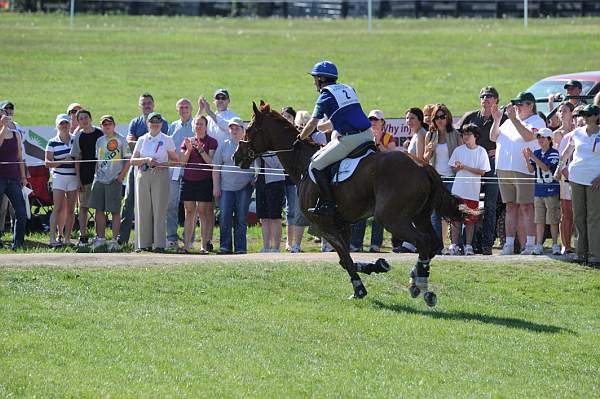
(532, 177)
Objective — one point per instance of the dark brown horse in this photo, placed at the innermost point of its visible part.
(400, 193)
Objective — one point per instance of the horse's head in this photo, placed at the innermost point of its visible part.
(259, 137)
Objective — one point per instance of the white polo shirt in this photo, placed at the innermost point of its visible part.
(154, 147)
(220, 129)
(585, 165)
(510, 144)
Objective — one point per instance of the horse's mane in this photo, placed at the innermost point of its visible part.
(265, 108)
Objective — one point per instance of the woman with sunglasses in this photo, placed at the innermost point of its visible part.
(440, 142)
(584, 178)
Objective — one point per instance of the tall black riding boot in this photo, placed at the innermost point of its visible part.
(326, 202)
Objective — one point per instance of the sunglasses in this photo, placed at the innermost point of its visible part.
(222, 98)
(487, 96)
(440, 117)
(73, 111)
(524, 103)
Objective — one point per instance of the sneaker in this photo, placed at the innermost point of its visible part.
(469, 250)
(486, 251)
(327, 248)
(54, 244)
(453, 250)
(374, 249)
(97, 243)
(83, 241)
(528, 250)
(209, 246)
(538, 249)
(172, 244)
(446, 251)
(508, 249)
(113, 245)
(264, 250)
(355, 249)
(295, 249)
(556, 249)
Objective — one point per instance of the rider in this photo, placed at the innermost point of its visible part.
(350, 125)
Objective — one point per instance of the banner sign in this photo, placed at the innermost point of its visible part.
(36, 137)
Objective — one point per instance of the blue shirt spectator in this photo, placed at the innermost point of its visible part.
(545, 185)
(138, 127)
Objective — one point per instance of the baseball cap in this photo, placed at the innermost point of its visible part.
(573, 82)
(523, 97)
(107, 118)
(154, 115)
(489, 90)
(577, 110)
(377, 114)
(545, 132)
(236, 121)
(221, 91)
(74, 106)
(60, 118)
(589, 109)
(6, 104)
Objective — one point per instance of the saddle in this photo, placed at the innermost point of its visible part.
(343, 169)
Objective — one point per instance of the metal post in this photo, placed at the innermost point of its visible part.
(72, 14)
(525, 12)
(370, 13)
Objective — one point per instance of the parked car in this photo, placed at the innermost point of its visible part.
(590, 82)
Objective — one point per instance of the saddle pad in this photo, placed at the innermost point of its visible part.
(347, 168)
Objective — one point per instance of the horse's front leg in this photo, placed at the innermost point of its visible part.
(340, 241)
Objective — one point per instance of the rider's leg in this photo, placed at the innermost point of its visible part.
(338, 148)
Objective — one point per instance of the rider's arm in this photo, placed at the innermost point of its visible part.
(309, 128)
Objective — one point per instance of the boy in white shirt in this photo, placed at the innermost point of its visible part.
(470, 161)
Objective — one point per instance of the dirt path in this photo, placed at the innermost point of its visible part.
(151, 259)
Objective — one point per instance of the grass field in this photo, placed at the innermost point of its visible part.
(249, 329)
(105, 62)
(285, 330)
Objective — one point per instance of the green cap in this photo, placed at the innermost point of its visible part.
(154, 115)
(573, 82)
(523, 97)
(589, 110)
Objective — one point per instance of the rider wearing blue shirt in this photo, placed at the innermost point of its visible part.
(351, 128)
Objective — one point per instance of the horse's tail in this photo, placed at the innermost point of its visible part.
(442, 201)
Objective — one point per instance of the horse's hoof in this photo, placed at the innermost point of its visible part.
(414, 291)
(382, 266)
(359, 293)
(379, 266)
(430, 298)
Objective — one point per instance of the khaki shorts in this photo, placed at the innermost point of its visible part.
(516, 187)
(84, 195)
(547, 210)
(106, 197)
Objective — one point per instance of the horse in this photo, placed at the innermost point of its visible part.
(396, 189)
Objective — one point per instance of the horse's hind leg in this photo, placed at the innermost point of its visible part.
(340, 241)
(419, 275)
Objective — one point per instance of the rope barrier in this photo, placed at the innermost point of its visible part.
(189, 166)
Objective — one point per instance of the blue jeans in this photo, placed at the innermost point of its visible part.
(12, 189)
(234, 208)
(490, 189)
(173, 211)
(358, 233)
(128, 209)
(291, 198)
(436, 220)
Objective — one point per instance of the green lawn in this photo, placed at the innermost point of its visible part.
(105, 62)
(285, 330)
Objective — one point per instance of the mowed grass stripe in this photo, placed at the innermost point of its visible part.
(106, 62)
(267, 330)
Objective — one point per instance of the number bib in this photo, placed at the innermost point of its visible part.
(344, 95)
